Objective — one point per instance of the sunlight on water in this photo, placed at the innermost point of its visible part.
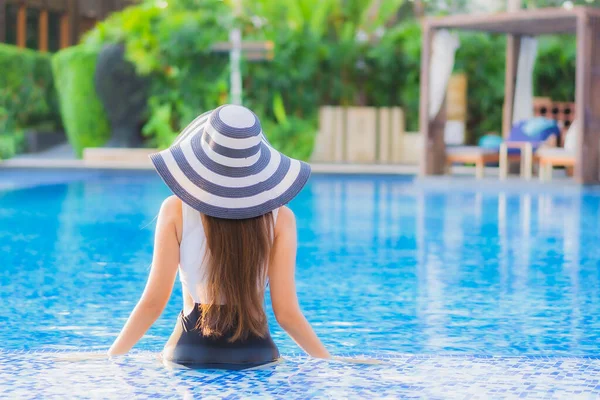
(387, 268)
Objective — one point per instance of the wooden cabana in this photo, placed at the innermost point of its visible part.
(584, 22)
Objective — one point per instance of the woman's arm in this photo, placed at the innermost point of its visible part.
(160, 282)
(283, 287)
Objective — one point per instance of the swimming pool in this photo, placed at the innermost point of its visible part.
(487, 289)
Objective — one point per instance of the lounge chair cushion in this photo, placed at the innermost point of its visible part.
(535, 130)
(553, 152)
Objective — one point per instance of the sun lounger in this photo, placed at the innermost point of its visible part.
(549, 158)
(553, 157)
(479, 156)
(525, 138)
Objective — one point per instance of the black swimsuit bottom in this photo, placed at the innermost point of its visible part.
(188, 347)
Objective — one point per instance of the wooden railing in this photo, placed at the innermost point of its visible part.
(76, 17)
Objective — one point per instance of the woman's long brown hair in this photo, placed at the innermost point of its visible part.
(238, 256)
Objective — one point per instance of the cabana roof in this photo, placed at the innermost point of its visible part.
(524, 22)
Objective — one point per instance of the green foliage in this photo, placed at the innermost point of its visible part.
(27, 96)
(318, 58)
(172, 46)
(554, 74)
(330, 52)
(8, 135)
(485, 80)
(327, 52)
(395, 79)
(83, 115)
(295, 138)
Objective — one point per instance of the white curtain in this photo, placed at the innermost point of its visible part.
(573, 135)
(443, 49)
(523, 104)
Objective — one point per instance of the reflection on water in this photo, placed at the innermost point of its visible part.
(478, 271)
(384, 264)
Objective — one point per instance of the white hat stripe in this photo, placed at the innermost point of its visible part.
(226, 141)
(227, 180)
(228, 202)
(227, 161)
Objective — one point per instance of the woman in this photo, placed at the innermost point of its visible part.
(228, 233)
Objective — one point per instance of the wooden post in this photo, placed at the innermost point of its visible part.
(433, 160)
(418, 9)
(2, 21)
(593, 124)
(587, 107)
(73, 21)
(513, 45)
(22, 26)
(43, 30)
(361, 135)
(438, 145)
(513, 5)
(384, 135)
(107, 7)
(235, 37)
(64, 31)
(426, 37)
(104, 8)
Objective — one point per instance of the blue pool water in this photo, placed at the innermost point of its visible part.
(434, 277)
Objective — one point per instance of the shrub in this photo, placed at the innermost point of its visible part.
(9, 136)
(83, 115)
(327, 52)
(318, 60)
(172, 47)
(554, 74)
(485, 76)
(27, 95)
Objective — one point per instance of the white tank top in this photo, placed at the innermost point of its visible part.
(192, 262)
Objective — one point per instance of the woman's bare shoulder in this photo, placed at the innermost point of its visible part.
(171, 207)
(286, 221)
(171, 213)
(286, 215)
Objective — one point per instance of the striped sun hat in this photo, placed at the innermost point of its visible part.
(223, 166)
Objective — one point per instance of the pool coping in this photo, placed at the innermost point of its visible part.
(318, 168)
(461, 177)
(378, 355)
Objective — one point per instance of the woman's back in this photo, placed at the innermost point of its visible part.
(223, 323)
(194, 261)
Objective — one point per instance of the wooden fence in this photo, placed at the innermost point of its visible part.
(362, 135)
(64, 20)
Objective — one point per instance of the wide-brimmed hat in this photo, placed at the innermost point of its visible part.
(223, 166)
